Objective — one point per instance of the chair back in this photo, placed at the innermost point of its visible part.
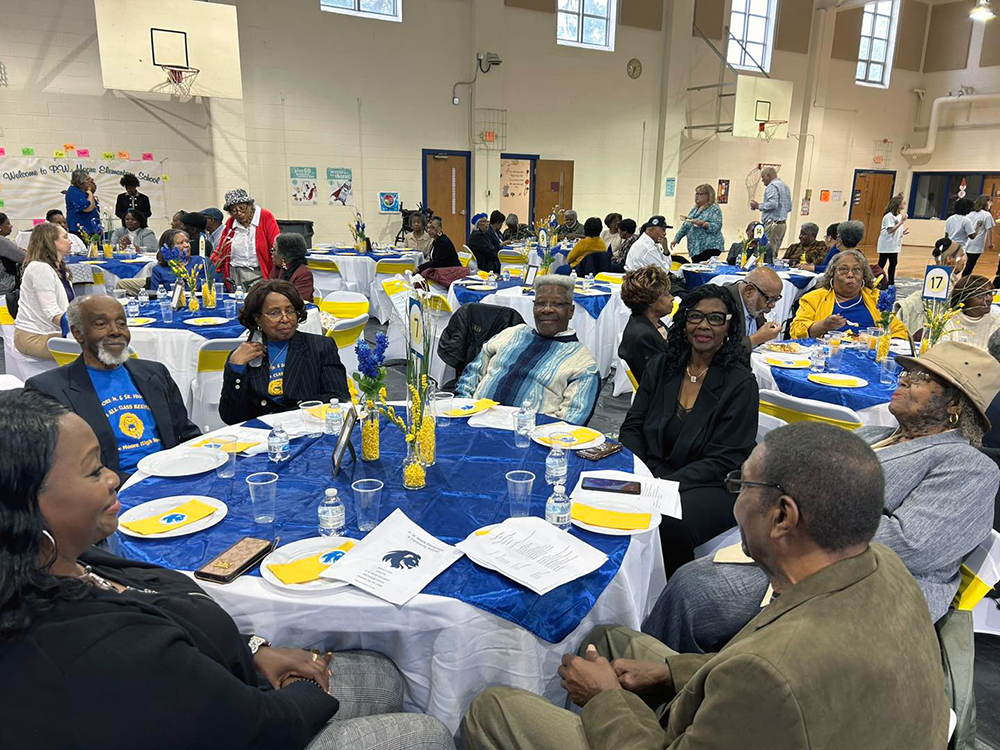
(346, 332)
(766, 423)
(64, 351)
(438, 303)
(631, 377)
(794, 409)
(611, 278)
(511, 257)
(980, 572)
(344, 304)
(6, 318)
(465, 257)
(323, 264)
(392, 267)
(213, 353)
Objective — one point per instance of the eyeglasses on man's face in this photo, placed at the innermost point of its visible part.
(735, 483)
(767, 297)
(912, 377)
(715, 319)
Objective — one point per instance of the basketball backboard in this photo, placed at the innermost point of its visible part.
(140, 41)
(761, 100)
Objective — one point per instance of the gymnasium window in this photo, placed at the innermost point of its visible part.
(751, 34)
(384, 10)
(587, 23)
(878, 42)
(933, 194)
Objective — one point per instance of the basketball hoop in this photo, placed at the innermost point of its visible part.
(180, 78)
(767, 128)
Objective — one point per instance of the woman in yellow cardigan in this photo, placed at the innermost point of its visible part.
(591, 242)
(843, 301)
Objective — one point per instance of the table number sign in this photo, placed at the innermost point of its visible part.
(937, 282)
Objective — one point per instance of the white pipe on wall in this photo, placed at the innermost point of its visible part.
(932, 128)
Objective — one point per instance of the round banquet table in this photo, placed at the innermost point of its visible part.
(112, 270)
(358, 269)
(596, 315)
(871, 402)
(175, 345)
(471, 627)
(795, 283)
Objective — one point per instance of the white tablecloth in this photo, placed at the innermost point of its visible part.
(358, 271)
(177, 349)
(599, 335)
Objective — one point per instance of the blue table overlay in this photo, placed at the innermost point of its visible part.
(119, 268)
(232, 329)
(695, 279)
(797, 383)
(464, 295)
(335, 252)
(466, 490)
(594, 304)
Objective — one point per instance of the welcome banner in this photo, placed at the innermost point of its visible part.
(31, 186)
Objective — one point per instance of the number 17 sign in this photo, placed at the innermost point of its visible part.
(937, 281)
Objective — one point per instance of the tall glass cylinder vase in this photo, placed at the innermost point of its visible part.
(370, 447)
(882, 352)
(414, 471)
(426, 434)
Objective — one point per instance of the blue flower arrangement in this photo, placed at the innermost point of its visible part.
(371, 375)
(885, 305)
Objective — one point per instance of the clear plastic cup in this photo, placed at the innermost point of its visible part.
(230, 308)
(443, 402)
(519, 484)
(227, 444)
(312, 413)
(888, 372)
(367, 496)
(263, 490)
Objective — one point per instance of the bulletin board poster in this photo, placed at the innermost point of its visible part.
(388, 203)
(722, 194)
(340, 186)
(302, 186)
(671, 187)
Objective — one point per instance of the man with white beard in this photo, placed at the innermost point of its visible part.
(132, 405)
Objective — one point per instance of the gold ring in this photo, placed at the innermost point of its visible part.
(315, 658)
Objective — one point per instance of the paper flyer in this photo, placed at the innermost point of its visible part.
(395, 561)
(340, 186)
(302, 185)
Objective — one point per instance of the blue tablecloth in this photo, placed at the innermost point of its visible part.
(695, 279)
(465, 491)
(335, 252)
(115, 266)
(797, 383)
(464, 295)
(231, 330)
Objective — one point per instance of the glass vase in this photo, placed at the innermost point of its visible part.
(414, 471)
(208, 296)
(882, 352)
(370, 448)
(426, 434)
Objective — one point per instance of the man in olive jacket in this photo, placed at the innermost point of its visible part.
(844, 656)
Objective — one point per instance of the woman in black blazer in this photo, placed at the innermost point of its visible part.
(694, 418)
(131, 199)
(443, 253)
(98, 651)
(646, 292)
(278, 366)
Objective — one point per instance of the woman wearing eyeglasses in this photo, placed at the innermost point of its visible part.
(939, 496)
(279, 365)
(845, 300)
(694, 418)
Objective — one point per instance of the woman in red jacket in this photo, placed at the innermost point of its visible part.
(244, 252)
(290, 264)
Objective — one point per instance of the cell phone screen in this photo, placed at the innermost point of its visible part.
(622, 486)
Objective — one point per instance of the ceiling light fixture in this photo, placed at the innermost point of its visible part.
(982, 11)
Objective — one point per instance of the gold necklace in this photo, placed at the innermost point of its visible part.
(695, 378)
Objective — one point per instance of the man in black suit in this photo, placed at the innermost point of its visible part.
(756, 296)
(132, 405)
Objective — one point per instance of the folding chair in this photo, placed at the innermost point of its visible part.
(511, 260)
(397, 293)
(326, 276)
(467, 258)
(206, 388)
(386, 269)
(344, 304)
(610, 278)
(766, 423)
(65, 351)
(346, 333)
(794, 409)
(441, 308)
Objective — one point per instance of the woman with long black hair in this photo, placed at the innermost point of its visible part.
(694, 418)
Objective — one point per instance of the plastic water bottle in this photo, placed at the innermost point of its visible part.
(505, 274)
(331, 514)
(278, 448)
(588, 282)
(132, 308)
(557, 508)
(143, 297)
(556, 464)
(817, 359)
(524, 423)
(161, 292)
(238, 293)
(333, 422)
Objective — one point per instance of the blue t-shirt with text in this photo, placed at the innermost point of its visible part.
(128, 414)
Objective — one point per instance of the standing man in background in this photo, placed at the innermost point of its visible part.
(775, 208)
(215, 224)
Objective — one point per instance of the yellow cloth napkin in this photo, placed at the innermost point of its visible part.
(182, 515)
(481, 405)
(609, 519)
(579, 435)
(205, 321)
(308, 568)
(786, 362)
(141, 321)
(240, 446)
(848, 382)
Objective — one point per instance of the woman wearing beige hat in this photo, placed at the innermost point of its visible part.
(939, 493)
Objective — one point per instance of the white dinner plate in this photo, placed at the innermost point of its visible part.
(459, 403)
(547, 430)
(206, 321)
(622, 505)
(156, 507)
(837, 380)
(181, 462)
(318, 251)
(296, 551)
(135, 260)
(789, 361)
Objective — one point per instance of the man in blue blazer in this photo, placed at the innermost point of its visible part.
(133, 405)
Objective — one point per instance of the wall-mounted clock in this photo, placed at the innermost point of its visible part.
(634, 68)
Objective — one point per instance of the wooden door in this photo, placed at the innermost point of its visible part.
(872, 192)
(553, 186)
(447, 178)
(991, 187)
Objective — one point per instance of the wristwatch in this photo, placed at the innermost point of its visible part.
(256, 642)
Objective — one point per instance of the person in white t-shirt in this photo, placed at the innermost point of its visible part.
(648, 250)
(890, 237)
(981, 218)
(960, 228)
